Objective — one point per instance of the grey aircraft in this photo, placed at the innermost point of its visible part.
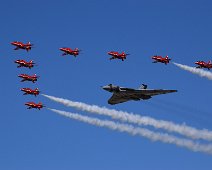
(123, 94)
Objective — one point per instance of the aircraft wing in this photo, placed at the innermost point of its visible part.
(153, 92)
(119, 97)
(126, 95)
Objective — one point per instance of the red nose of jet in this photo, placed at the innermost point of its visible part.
(61, 49)
(13, 43)
(196, 62)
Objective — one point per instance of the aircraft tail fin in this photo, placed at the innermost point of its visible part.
(167, 58)
(125, 54)
(29, 45)
(143, 86)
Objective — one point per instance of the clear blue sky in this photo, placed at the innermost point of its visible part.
(32, 139)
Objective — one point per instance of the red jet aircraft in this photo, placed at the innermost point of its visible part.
(30, 91)
(26, 77)
(161, 59)
(34, 105)
(118, 55)
(20, 45)
(69, 51)
(23, 63)
(202, 64)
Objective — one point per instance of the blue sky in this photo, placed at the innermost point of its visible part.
(32, 139)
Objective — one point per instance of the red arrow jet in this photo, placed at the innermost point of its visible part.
(34, 105)
(69, 51)
(20, 45)
(202, 64)
(23, 63)
(160, 59)
(30, 91)
(117, 55)
(26, 77)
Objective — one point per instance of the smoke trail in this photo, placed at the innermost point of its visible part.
(137, 119)
(194, 70)
(138, 131)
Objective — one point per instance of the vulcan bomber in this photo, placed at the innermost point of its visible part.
(124, 94)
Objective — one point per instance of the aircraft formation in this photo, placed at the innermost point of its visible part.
(26, 77)
(120, 94)
(123, 56)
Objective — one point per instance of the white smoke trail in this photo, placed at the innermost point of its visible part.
(194, 70)
(139, 131)
(137, 119)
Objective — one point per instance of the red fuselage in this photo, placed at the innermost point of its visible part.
(20, 45)
(202, 64)
(161, 59)
(34, 105)
(117, 55)
(30, 91)
(23, 63)
(69, 51)
(26, 77)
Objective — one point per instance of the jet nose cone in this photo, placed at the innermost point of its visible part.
(105, 88)
(62, 49)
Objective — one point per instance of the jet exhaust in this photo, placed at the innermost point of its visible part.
(163, 137)
(137, 119)
(200, 72)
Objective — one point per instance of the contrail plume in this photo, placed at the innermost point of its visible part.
(194, 70)
(137, 119)
(165, 138)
